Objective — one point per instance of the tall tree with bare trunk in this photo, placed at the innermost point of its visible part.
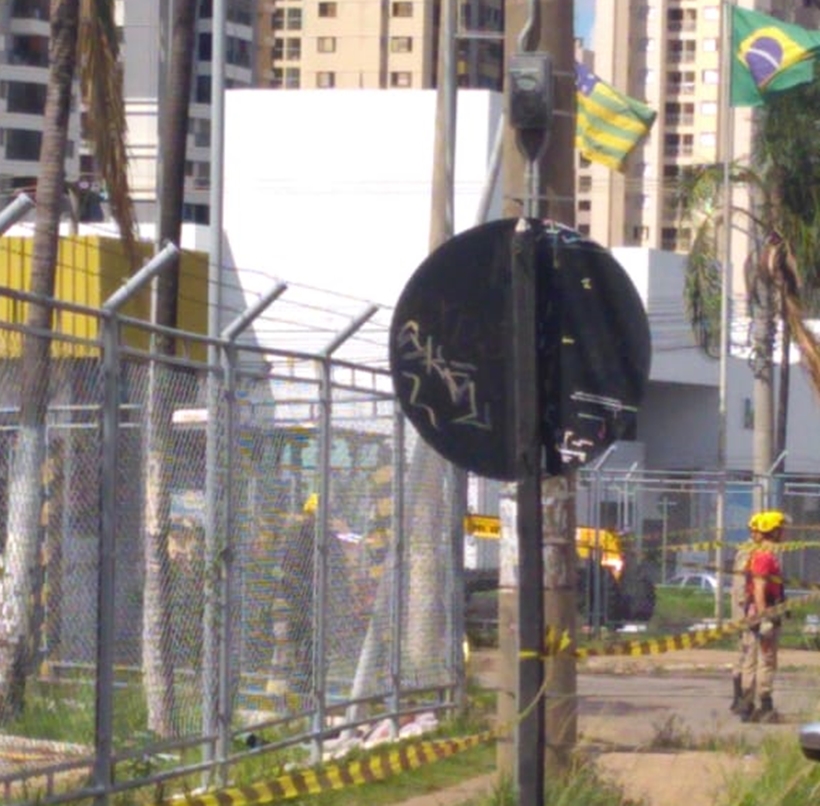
(164, 384)
(83, 39)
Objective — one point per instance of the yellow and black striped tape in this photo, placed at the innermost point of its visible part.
(670, 643)
(711, 545)
(338, 776)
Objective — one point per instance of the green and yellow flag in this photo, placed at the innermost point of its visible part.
(769, 56)
(609, 124)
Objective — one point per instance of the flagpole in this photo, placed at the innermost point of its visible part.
(727, 156)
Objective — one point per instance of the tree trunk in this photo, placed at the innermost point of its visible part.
(157, 656)
(25, 482)
(763, 329)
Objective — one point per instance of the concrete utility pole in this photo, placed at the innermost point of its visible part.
(547, 191)
(544, 25)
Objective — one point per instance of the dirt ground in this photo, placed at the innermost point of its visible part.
(636, 715)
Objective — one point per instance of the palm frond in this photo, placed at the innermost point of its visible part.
(101, 81)
(702, 290)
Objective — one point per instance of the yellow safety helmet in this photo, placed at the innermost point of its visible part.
(769, 521)
(311, 504)
(753, 525)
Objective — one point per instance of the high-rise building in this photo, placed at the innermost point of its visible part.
(667, 53)
(24, 40)
(372, 44)
(287, 44)
(145, 25)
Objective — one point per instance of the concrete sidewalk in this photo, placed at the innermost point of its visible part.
(626, 702)
(466, 792)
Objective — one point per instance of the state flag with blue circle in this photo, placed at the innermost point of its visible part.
(768, 56)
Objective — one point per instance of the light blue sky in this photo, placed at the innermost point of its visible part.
(584, 19)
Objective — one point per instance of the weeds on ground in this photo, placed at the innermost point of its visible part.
(785, 778)
(581, 787)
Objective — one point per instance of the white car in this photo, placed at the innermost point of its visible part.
(698, 581)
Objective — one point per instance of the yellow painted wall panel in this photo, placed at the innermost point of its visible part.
(89, 270)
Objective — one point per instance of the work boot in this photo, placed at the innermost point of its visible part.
(747, 706)
(737, 695)
(766, 714)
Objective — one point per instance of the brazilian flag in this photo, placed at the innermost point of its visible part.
(769, 56)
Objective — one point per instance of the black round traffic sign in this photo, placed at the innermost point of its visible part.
(451, 336)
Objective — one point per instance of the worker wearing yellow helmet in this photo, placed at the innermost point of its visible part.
(738, 605)
(764, 590)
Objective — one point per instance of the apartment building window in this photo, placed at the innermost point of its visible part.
(640, 234)
(326, 44)
(204, 47)
(328, 9)
(31, 51)
(709, 108)
(289, 19)
(712, 13)
(201, 128)
(584, 184)
(675, 240)
(292, 78)
(583, 229)
(678, 145)
(202, 175)
(710, 45)
(711, 77)
(25, 97)
(240, 13)
(237, 51)
(23, 145)
(583, 162)
(669, 238)
(401, 79)
(196, 213)
(290, 48)
(584, 206)
(202, 93)
(30, 9)
(682, 51)
(681, 82)
(206, 10)
(671, 173)
(678, 114)
(402, 8)
(681, 19)
(325, 79)
(401, 44)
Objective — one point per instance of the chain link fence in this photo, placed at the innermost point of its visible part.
(236, 550)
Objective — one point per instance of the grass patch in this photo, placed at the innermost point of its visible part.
(786, 778)
(582, 786)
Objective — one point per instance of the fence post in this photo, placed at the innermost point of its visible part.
(103, 771)
(227, 555)
(397, 568)
(322, 529)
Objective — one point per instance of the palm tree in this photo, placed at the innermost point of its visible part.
(784, 222)
(83, 35)
(157, 634)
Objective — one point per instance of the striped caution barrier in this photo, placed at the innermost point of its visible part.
(712, 545)
(670, 643)
(338, 776)
(411, 756)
